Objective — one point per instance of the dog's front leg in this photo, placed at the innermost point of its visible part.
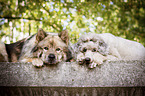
(111, 58)
(80, 58)
(95, 63)
(35, 61)
(92, 65)
(99, 59)
(114, 52)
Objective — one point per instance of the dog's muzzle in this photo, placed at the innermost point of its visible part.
(51, 56)
(51, 59)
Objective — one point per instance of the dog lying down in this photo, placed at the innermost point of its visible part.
(93, 49)
(46, 48)
(41, 48)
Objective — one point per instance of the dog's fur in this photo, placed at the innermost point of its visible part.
(11, 52)
(43, 48)
(93, 49)
(3, 53)
(14, 50)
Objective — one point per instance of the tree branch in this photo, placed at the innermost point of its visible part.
(7, 17)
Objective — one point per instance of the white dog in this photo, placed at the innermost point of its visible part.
(93, 49)
(123, 49)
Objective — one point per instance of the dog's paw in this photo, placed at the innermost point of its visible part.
(99, 62)
(37, 63)
(99, 59)
(80, 59)
(80, 62)
(92, 65)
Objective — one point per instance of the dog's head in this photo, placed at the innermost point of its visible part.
(88, 37)
(91, 46)
(52, 49)
(88, 49)
(96, 39)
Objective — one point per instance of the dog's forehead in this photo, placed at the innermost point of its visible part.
(89, 36)
(52, 40)
(84, 37)
(90, 45)
(58, 41)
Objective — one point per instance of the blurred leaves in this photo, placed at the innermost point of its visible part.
(122, 18)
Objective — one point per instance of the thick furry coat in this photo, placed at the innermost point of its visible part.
(45, 48)
(93, 49)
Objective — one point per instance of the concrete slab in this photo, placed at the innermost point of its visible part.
(110, 74)
(116, 78)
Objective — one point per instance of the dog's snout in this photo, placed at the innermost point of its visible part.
(52, 56)
(88, 59)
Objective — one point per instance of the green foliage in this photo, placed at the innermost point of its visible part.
(23, 17)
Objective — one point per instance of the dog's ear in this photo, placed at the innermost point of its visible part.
(103, 48)
(40, 35)
(64, 36)
(68, 54)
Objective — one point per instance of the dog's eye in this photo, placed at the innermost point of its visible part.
(94, 40)
(85, 41)
(101, 43)
(91, 40)
(46, 48)
(94, 50)
(58, 49)
(84, 50)
(40, 55)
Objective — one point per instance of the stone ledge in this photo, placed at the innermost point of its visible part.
(115, 78)
(65, 74)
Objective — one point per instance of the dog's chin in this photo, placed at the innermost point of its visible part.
(51, 62)
(87, 62)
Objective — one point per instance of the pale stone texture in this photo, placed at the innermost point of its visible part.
(70, 79)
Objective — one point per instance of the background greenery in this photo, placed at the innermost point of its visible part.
(21, 18)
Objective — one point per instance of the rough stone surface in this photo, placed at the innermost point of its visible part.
(110, 74)
(115, 77)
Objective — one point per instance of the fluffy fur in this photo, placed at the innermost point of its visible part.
(11, 52)
(3, 53)
(14, 50)
(43, 48)
(123, 49)
(93, 49)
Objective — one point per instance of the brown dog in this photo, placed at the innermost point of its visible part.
(43, 48)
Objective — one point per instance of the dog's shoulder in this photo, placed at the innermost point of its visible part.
(3, 53)
(14, 50)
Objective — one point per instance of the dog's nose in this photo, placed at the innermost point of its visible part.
(87, 59)
(52, 56)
